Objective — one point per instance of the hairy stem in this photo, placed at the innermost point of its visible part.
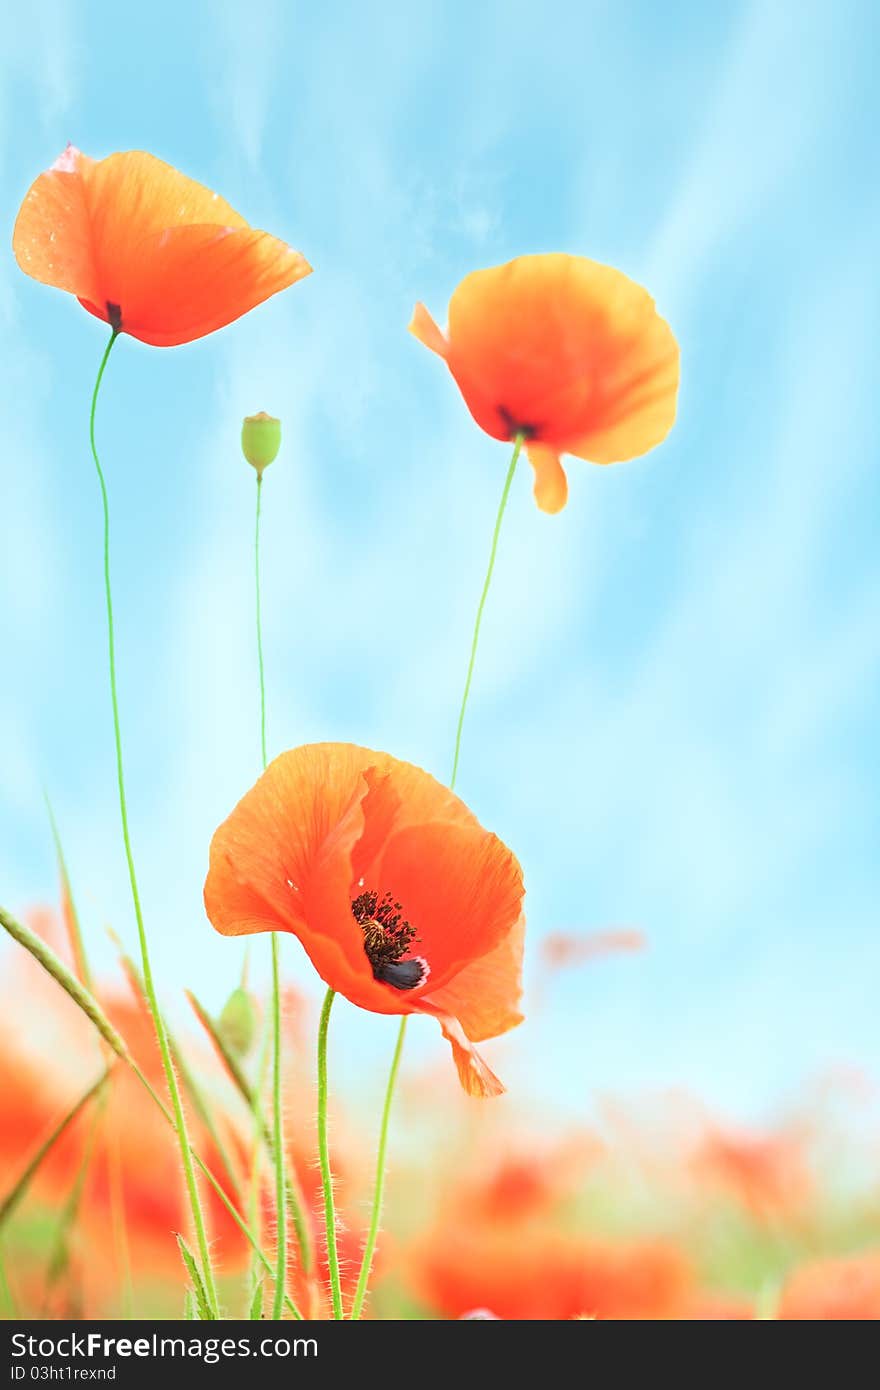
(379, 1192)
(324, 1153)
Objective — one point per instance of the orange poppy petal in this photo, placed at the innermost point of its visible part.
(475, 1076)
(551, 484)
(182, 284)
(640, 396)
(484, 995)
(268, 854)
(52, 238)
(459, 886)
(423, 327)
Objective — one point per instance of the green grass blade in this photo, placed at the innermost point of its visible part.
(66, 979)
(198, 1287)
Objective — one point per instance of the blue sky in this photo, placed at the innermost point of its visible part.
(674, 718)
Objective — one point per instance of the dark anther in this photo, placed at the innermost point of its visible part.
(387, 938)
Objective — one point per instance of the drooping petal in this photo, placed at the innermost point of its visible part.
(476, 1078)
(551, 484)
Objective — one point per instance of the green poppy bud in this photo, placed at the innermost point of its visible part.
(260, 440)
(237, 1024)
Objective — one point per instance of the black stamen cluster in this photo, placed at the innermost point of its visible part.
(387, 934)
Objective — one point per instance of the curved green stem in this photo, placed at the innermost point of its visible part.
(158, 1022)
(324, 1153)
(379, 1192)
(518, 443)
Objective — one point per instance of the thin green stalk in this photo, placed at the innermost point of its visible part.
(161, 1036)
(482, 604)
(376, 1214)
(278, 1122)
(277, 1100)
(261, 1129)
(13, 1197)
(260, 623)
(324, 1153)
(251, 1097)
(376, 1211)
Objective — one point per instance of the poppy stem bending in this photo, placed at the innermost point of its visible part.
(158, 1022)
(324, 1154)
(517, 447)
(379, 1191)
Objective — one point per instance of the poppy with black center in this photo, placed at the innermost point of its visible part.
(404, 903)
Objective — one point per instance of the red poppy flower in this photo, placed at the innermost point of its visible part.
(404, 903)
(148, 250)
(566, 352)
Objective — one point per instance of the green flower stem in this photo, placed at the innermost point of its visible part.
(508, 481)
(376, 1214)
(284, 1192)
(278, 1122)
(324, 1154)
(260, 663)
(376, 1211)
(158, 1022)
